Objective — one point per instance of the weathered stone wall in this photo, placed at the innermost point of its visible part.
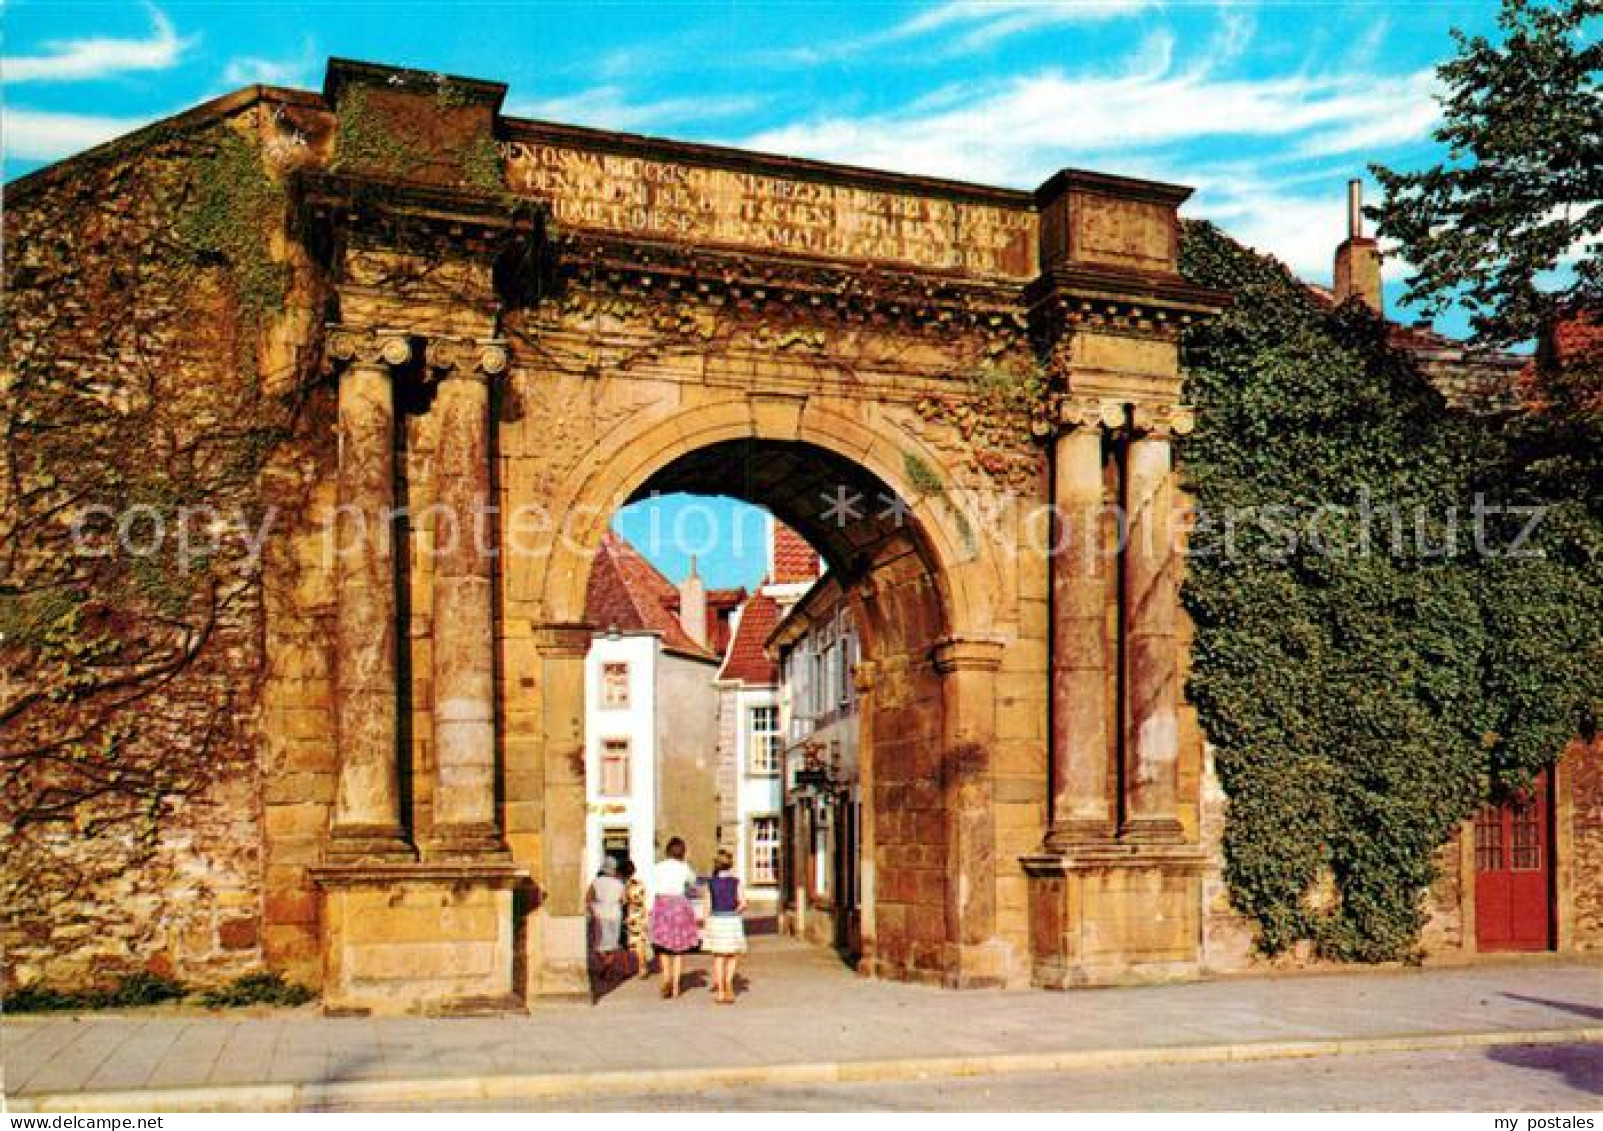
(1583, 784)
(911, 775)
(135, 354)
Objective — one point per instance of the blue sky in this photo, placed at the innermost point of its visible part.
(1266, 108)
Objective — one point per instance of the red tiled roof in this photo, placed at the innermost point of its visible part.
(1576, 337)
(794, 559)
(628, 593)
(748, 660)
(1567, 344)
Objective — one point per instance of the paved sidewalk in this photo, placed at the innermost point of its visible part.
(803, 1018)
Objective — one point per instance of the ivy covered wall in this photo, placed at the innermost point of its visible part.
(139, 284)
(1375, 654)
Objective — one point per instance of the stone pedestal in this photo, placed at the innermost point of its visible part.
(1114, 914)
(418, 938)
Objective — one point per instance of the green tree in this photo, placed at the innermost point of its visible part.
(1510, 225)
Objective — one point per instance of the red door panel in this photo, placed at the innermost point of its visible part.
(1513, 874)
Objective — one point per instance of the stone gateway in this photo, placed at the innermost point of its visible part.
(494, 333)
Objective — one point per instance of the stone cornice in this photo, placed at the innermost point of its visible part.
(1130, 302)
(1112, 185)
(364, 874)
(353, 72)
(666, 269)
(408, 214)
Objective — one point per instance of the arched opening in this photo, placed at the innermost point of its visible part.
(830, 780)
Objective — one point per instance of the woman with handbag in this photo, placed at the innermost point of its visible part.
(673, 919)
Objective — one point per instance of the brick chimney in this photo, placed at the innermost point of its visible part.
(693, 605)
(1358, 258)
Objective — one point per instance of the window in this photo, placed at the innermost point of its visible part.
(765, 745)
(614, 684)
(1489, 840)
(764, 850)
(1525, 822)
(615, 767)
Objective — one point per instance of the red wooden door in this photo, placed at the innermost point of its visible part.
(1513, 874)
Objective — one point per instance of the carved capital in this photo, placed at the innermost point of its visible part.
(467, 358)
(357, 345)
(1162, 421)
(1090, 412)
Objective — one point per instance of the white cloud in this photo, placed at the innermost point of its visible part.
(984, 22)
(1193, 121)
(963, 26)
(1018, 130)
(37, 135)
(300, 71)
(610, 107)
(94, 57)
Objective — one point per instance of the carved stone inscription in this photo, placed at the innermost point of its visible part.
(728, 206)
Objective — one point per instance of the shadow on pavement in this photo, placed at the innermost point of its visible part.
(1580, 1065)
(1591, 1011)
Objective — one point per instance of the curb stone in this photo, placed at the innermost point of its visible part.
(319, 1095)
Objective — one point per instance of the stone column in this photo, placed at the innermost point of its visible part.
(1150, 612)
(463, 613)
(1082, 747)
(367, 806)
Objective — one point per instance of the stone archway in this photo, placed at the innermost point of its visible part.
(536, 342)
(928, 679)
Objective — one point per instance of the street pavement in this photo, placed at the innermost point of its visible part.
(802, 1020)
(1524, 1078)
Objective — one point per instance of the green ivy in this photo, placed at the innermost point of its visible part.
(923, 478)
(1361, 705)
(367, 142)
(256, 989)
(481, 164)
(235, 204)
(131, 992)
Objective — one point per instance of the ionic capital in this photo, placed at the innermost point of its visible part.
(1162, 421)
(356, 345)
(467, 358)
(1090, 412)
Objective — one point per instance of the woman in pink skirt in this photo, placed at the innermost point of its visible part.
(673, 919)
